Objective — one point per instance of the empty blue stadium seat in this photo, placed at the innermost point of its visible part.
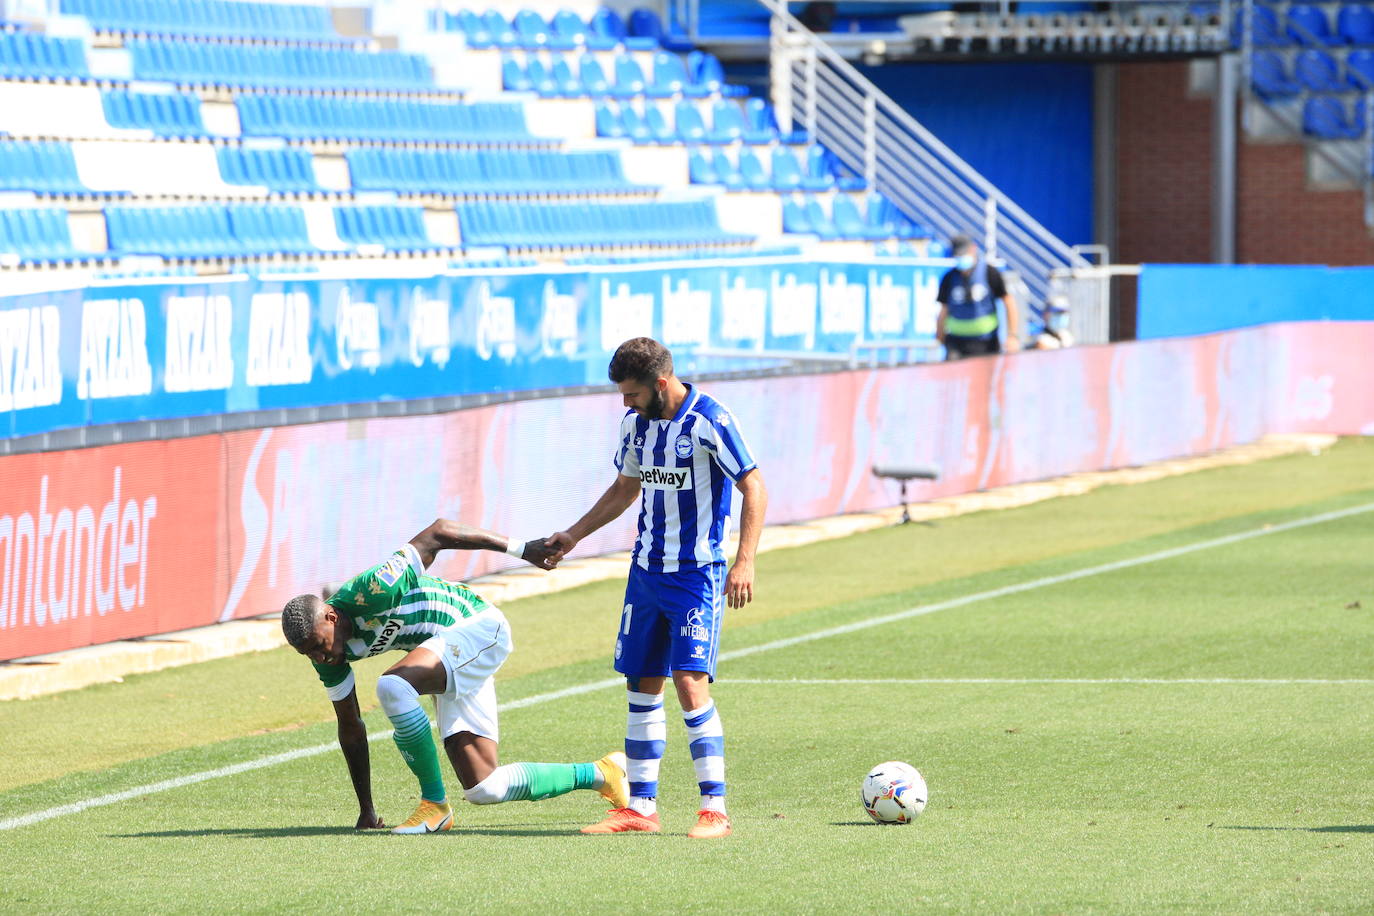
(660, 131)
(794, 217)
(850, 223)
(593, 77)
(515, 76)
(752, 172)
(687, 122)
(727, 122)
(608, 123)
(1308, 25)
(1325, 117)
(171, 115)
(821, 223)
(1318, 71)
(606, 24)
(1270, 77)
(786, 173)
(36, 235)
(43, 167)
(629, 79)
(635, 125)
(1355, 24)
(567, 84)
(285, 170)
(727, 173)
(28, 54)
(569, 28)
(1359, 69)
(705, 70)
(817, 176)
(534, 32)
(700, 169)
(670, 78)
(474, 29)
(502, 35)
(1265, 29)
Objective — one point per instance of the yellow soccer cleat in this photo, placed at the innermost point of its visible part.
(430, 817)
(617, 786)
(711, 825)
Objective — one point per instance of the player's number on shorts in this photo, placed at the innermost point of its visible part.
(627, 614)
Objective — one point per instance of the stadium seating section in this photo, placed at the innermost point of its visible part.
(186, 131)
(1318, 56)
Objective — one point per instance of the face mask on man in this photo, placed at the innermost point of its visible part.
(965, 262)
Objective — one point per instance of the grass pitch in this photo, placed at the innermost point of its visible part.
(1190, 734)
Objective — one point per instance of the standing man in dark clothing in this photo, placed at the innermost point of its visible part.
(968, 323)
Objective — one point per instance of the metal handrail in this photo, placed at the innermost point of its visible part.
(815, 87)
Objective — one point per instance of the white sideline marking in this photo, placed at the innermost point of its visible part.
(1277, 681)
(538, 699)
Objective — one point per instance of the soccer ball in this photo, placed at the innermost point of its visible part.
(894, 793)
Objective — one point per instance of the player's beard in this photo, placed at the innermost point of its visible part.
(657, 404)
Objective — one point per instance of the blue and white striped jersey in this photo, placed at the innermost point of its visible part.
(686, 467)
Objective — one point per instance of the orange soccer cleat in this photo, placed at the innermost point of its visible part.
(625, 820)
(711, 825)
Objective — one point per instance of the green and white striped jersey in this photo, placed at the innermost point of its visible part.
(394, 605)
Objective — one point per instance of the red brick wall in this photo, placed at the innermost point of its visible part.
(1164, 198)
(1163, 166)
(1280, 221)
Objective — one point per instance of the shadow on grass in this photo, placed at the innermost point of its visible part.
(269, 833)
(1335, 828)
(867, 823)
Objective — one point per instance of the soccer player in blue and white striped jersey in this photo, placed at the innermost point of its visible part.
(680, 454)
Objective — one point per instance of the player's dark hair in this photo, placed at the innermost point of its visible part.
(960, 244)
(298, 618)
(642, 359)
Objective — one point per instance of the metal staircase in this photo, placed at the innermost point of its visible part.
(816, 90)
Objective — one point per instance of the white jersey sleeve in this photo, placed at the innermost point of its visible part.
(627, 454)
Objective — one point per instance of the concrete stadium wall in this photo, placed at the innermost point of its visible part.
(129, 540)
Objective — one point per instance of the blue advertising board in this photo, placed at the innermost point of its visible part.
(180, 348)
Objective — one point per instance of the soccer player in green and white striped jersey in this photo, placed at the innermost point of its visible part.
(454, 642)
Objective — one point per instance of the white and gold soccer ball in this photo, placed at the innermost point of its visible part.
(894, 793)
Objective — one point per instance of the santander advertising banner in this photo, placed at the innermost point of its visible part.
(132, 540)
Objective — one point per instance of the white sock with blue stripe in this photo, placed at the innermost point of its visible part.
(646, 729)
(707, 738)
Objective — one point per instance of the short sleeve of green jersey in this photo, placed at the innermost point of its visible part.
(337, 680)
(375, 592)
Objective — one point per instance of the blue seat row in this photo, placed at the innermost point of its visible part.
(250, 65)
(747, 173)
(206, 17)
(755, 124)
(305, 117)
(207, 231)
(1328, 118)
(1313, 71)
(541, 225)
(395, 228)
(44, 167)
(165, 114)
(285, 170)
(670, 77)
(27, 54)
(880, 219)
(36, 235)
(510, 171)
(1307, 24)
(564, 32)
